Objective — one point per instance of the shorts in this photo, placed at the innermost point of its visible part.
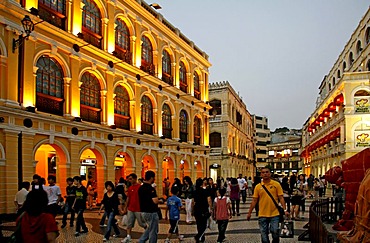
(174, 226)
(131, 216)
(296, 200)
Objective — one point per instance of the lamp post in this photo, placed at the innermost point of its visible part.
(28, 27)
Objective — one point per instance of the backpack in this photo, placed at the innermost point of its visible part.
(221, 209)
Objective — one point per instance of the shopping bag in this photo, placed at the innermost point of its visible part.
(287, 229)
(211, 223)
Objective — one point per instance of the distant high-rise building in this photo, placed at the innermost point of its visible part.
(231, 133)
(261, 139)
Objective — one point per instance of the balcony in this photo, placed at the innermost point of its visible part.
(49, 104)
(92, 38)
(168, 79)
(147, 67)
(122, 122)
(122, 54)
(90, 114)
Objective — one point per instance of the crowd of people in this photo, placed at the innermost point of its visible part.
(136, 198)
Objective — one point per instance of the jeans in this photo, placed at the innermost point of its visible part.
(233, 202)
(243, 193)
(68, 208)
(80, 222)
(269, 224)
(111, 223)
(151, 232)
(188, 209)
(201, 228)
(102, 220)
(222, 225)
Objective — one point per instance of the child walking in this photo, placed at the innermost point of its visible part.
(173, 206)
(222, 213)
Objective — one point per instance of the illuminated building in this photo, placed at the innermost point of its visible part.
(100, 88)
(231, 133)
(339, 127)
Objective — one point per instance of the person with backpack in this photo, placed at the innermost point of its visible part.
(222, 213)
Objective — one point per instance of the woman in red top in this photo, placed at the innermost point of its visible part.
(234, 195)
(37, 226)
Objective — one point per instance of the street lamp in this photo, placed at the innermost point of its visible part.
(28, 27)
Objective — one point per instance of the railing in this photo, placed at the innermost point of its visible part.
(324, 210)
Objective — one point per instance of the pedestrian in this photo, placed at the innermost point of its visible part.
(222, 213)
(91, 191)
(287, 192)
(298, 196)
(323, 180)
(242, 186)
(36, 225)
(112, 207)
(177, 183)
(188, 190)
(250, 186)
(70, 198)
(54, 196)
(202, 208)
(166, 187)
(174, 206)
(121, 190)
(268, 218)
(132, 207)
(235, 196)
(316, 188)
(20, 197)
(149, 208)
(79, 206)
(36, 182)
(212, 188)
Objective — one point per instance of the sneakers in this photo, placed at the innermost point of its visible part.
(105, 239)
(116, 235)
(77, 233)
(167, 241)
(181, 237)
(127, 240)
(103, 225)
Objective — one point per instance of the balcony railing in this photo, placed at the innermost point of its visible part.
(49, 104)
(90, 114)
(122, 122)
(147, 127)
(148, 68)
(167, 132)
(167, 79)
(122, 54)
(92, 38)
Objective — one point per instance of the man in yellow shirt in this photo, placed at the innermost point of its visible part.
(268, 215)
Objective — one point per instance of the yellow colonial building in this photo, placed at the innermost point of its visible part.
(231, 133)
(340, 125)
(98, 88)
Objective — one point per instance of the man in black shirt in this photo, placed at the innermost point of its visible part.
(70, 199)
(149, 208)
(79, 205)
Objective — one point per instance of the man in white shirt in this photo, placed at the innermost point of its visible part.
(54, 195)
(242, 186)
(20, 197)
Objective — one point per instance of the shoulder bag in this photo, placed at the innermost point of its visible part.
(281, 210)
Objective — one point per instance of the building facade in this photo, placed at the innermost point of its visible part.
(262, 138)
(98, 88)
(339, 127)
(231, 133)
(283, 152)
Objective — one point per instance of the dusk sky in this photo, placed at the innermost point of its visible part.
(275, 53)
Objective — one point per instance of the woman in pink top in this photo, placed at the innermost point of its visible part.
(234, 195)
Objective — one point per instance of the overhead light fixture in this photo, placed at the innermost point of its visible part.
(155, 6)
(76, 47)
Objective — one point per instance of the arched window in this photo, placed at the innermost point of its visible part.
(166, 121)
(197, 131)
(338, 74)
(49, 86)
(182, 77)
(53, 12)
(183, 126)
(91, 23)
(122, 41)
(350, 59)
(333, 81)
(146, 115)
(90, 98)
(358, 47)
(216, 107)
(368, 65)
(344, 67)
(362, 101)
(215, 140)
(147, 55)
(367, 36)
(121, 108)
(166, 68)
(197, 93)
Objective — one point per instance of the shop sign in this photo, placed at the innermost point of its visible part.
(362, 104)
(362, 138)
(88, 161)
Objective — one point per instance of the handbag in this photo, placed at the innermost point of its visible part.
(16, 237)
(281, 210)
(287, 229)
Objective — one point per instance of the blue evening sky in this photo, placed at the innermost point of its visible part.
(275, 53)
